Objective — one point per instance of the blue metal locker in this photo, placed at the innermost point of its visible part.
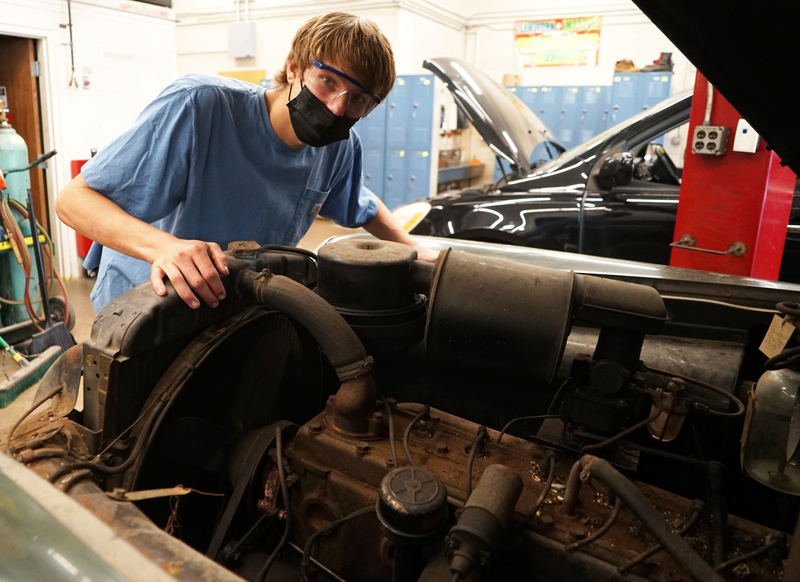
(528, 95)
(607, 109)
(569, 114)
(654, 88)
(372, 130)
(624, 97)
(592, 104)
(396, 179)
(398, 104)
(549, 106)
(418, 160)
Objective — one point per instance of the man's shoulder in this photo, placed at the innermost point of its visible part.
(204, 86)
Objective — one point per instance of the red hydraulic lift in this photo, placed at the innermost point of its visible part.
(735, 196)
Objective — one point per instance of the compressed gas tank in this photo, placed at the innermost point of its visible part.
(13, 155)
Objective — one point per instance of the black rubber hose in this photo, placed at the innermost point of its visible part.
(691, 562)
(341, 346)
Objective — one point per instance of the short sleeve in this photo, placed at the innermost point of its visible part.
(145, 170)
(350, 203)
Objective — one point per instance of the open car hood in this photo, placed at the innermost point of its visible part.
(505, 123)
(729, 46)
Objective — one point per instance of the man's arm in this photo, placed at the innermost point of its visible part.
(386, 227)
(192, 266)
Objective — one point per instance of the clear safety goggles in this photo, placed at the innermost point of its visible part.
(331, 85)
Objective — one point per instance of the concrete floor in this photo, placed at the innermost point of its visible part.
(78, 291)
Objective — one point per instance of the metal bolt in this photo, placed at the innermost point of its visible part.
(315, 426)
(577, 533)
(362, 448)
(377, 417)
(441, 447)
(546, 521)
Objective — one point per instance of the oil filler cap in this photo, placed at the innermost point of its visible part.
(412, 507)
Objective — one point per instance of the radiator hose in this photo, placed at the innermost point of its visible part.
(354, 403)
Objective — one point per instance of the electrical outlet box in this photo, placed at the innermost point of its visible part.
(746, 138)
(242, 39)
(710, 140)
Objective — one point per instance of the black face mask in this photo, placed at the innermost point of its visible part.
(315, 124)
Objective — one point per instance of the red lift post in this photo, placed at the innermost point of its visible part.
(736, 204)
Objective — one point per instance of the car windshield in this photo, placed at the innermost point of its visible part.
(580, 150)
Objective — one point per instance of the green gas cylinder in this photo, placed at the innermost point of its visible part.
(14, 155)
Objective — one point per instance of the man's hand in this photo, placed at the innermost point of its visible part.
(193, 268)
(385, 226)
(426, 254)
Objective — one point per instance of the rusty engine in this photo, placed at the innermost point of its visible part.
(364, 416)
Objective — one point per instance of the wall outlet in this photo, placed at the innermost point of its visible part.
(710, 140)
(746, 138)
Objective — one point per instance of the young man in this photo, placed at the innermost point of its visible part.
(215, 160)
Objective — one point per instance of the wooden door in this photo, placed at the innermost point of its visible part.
(16, 56)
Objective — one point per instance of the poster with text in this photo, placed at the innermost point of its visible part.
(559, 42)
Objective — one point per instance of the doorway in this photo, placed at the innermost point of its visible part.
(19, 77)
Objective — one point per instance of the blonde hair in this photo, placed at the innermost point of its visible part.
(348, 40)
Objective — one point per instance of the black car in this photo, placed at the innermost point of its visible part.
(614, 196)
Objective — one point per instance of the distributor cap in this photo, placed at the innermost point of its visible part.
(412, 505)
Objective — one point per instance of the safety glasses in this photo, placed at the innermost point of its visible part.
(331, 85)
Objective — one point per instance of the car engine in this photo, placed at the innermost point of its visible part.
(361, 415)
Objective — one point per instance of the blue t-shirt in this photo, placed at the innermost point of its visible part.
(203, 162)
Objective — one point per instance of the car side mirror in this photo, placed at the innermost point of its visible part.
(616, 170)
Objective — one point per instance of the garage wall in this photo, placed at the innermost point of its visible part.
(416, 30)
(127, 52)
(626, 33)
(479, 32)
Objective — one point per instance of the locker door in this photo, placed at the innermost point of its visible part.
(654, 88)
(419, 175)
(372, 131)
(549, 107)
(569, 115)
(624, 97)
(532, 98)
(418, 159)
(396, 179)
(606, 109)
(398, 107)
(397, 114)
(591, 114)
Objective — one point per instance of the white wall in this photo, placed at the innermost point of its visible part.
(416, 30)
(626, 33)
(130, 49)
(202, 37)
(480, 32)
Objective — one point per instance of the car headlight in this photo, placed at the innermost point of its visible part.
(410, 215)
